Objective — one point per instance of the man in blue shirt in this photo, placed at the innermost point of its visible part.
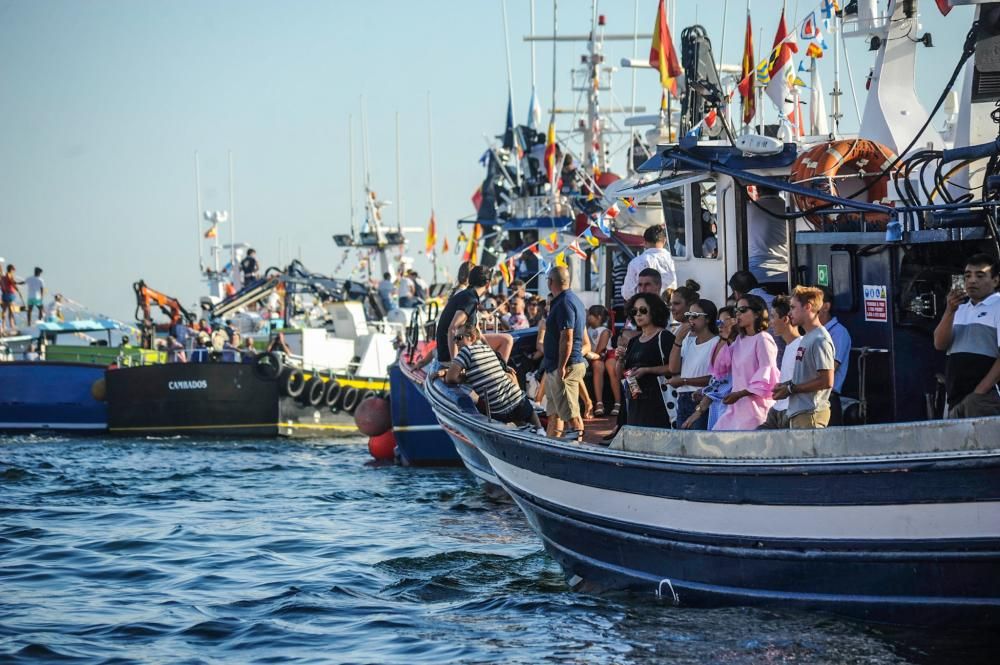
(842, 353)
(562, 360)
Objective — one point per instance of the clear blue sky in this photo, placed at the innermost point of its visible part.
(105, 102)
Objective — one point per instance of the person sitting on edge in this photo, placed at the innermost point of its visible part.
(842, 349)
(461, 308)
(480, 366)
(753, 365)
(656, 257)
(691, 360)
(278, 344)
(808, 392)
(249, 352)
(777, 417)
(970, 332)
(600, 357)
(36, 294)
(563, 362)
(646, 359)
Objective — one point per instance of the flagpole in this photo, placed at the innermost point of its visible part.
(399, 196)
(835, 94)
(722, 44)
(510, 90)
(232, 222)
(197, 202)
(350, 169)
(430, 158)
(635, 55)
(759, 88)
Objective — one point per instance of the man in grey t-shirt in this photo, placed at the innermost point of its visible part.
(808, 392)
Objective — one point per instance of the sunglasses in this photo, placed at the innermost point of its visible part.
(743, 309)
(719, 323)
(459, 338)
(694, 315)
(638, 310)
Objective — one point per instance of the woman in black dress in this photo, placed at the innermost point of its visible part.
(646, 358)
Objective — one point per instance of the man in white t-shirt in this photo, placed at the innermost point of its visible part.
(655, 257)
(36, 292)
(777, 416)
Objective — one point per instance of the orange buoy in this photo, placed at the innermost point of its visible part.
(373, 417)
(383, 446)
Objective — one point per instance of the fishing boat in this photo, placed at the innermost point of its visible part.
(54, 377)
(893, 517)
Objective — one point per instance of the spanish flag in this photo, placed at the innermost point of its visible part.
(505, 272)
(550, 152)
(444, 246)
(431, 236)
(472, 247)
(662, 56)
(747, 82)
(213, 231)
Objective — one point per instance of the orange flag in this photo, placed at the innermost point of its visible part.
(212, 232)
(550, 152)
(444, 246)
(662, 56)
(431, 236)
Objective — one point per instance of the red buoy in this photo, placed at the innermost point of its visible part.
(373, 417)
(383, 446)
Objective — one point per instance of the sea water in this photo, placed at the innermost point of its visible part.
(277, 551)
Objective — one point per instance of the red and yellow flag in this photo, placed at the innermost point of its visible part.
(473, 245)
(505, 272)
(550, 152)
(662, 56)
(213, 231)
(748, 70)
(444, 245)
(431, 236)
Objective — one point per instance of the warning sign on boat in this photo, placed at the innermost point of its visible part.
(876, 308)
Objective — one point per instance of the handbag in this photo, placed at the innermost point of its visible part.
(667, 391)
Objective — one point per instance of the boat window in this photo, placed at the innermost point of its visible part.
(704, 226)
(673, 216)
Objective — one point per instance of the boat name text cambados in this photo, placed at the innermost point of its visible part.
(200, 384)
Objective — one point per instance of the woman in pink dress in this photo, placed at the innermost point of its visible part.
(753, 363)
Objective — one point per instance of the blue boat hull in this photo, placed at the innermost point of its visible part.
(420, 440)
(905, 539)
(466, 448)
(51, 396)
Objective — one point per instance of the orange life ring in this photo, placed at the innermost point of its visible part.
(820, 166)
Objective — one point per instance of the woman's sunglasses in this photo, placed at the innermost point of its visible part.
(459, 338)
(743, 309)
(694, 315)
(638, 310)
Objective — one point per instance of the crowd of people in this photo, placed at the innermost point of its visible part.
(760, 361)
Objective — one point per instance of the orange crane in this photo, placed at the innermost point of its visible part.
(145, 297)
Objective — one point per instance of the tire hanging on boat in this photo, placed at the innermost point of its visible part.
(267, 366)
(350, 400)
(294, 383)
(332, 394)
(314, 392)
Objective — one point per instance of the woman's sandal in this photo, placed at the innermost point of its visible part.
(616, 409)
(573, 435)
(599, 409)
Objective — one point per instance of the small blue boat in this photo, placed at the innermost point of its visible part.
(420, 439)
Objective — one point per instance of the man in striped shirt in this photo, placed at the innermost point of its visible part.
(480, 366)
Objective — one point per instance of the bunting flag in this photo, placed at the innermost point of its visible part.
(461, 238)
(612, 212)
(629, 203)
(432, 238)
(763, 73)
(533, 248)
(561, 260)
(213, 231)
(781, 69)
(662, 56)
(944, 6)
(809, 29)
(509, 137)
(814, 50)
(551, 243)
(477, 197)
(444, 246)
(505, 272)
(591, 239)
(550, 151)
(746, 86)
(575, 247)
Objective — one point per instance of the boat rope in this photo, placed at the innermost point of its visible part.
(673, 594)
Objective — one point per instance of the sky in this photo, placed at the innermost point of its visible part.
(105, 103)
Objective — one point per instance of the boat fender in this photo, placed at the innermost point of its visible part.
(372, 416)
(99, 390)
(366, 395)
(294, 383)
(350, 399)
(267, 366)
(314, 392)
(383, 446)
(332, 395)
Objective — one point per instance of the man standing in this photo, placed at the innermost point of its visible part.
(249, 267)
(8, 293)
(460, 310)
(842, 350)
(562, 359)
(656, 257)
(808, 392)
(386, 291)
(36, 294)
(970, 332)
(777, 417)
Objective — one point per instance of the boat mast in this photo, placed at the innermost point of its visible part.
(350, 171)
(232, 223)
(197, 212)
(510, 92)
(399, 197)
(430, 159)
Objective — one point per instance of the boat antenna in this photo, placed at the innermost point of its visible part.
(635, 56)
(350, 170)
(722, 44)
(232, 222)
(510, 90)
(430, 158)
(399, 197)
(197, 211)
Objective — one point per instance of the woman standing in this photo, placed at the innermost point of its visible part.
(680, 301)
(691, 360)
(753, 363)
(646, 359)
